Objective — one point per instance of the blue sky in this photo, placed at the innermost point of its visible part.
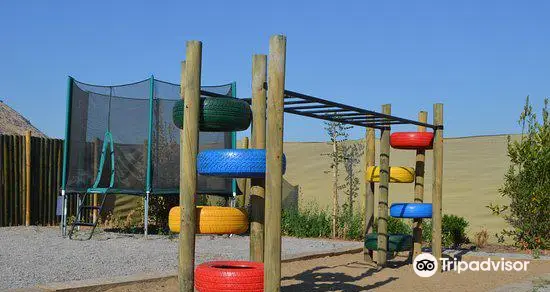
(480, 58)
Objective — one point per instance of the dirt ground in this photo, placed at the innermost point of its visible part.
(350, 273)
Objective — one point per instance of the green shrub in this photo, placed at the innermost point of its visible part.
(527, 183)
(453, 231)
(309, 222)
(395, 226)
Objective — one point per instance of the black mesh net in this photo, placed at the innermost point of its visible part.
(124, 111)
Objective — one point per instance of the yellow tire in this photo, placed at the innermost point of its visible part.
(213, 220)
(398, 174)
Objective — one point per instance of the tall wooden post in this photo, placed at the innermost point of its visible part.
(437, 190)
(382, 252)
(243, 183)
(419, 187)
(274, 162)
(28, 178)
(257, 185)
(370, 153)
(191, 79)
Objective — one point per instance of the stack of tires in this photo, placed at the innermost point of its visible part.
(224, 115)
(401, 174)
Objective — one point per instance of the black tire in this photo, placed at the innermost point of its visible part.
(218, 114)
(396, 242)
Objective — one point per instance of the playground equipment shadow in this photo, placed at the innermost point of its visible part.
(348, 272)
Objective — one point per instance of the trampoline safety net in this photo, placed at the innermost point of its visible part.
(133, 114)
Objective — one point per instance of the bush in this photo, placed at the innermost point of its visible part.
(481, 238)
(453, 231)
(309, 222)
(527, 183)
(395, 226)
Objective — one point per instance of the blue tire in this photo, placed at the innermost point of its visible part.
(411, 210)
(234, 163)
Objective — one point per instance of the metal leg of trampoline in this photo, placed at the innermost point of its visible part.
(63, 214)
(146, 214)
(78, 204)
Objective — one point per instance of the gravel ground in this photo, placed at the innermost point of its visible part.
(35, 255)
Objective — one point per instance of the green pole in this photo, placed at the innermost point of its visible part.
(150, 139)
(65, 156)
(67, 132)
(149, 157)
(234, 138)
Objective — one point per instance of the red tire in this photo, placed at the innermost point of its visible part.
(229, 276)
(412, 140)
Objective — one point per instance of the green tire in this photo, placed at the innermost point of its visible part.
(218, 114)
(396, 242)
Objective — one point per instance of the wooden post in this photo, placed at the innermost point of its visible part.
(243, 183)
(419, 187)
(384, 191)
(274, 162)
(437, 190)
(257, 185)
(370, 153)
(191, 82)
(28, 178)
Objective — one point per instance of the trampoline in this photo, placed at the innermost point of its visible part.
(142, 158)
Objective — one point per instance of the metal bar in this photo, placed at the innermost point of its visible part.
(328, 111)
(309, 107)
(150, 140)
(290, 94)
(382, 125)
(306, 114)
(297, 102)
(66, 153)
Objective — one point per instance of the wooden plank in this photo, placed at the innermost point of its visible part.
(274, 155)
(257, 185)
(41, 182)
(370, 156)
(11, 179)
(419, 187)
(59, 170)
(383, 185)
(437, 191)
(191, 75)
(16, 179)
(28, 178)
(2, 193)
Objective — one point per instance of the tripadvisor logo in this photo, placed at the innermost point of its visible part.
(425, 265)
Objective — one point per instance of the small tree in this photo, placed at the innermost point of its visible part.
(351, 153)
(337, 133)
(527, 183)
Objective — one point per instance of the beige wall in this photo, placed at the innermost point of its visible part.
(473, 171)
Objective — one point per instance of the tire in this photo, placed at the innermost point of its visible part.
(396, 242)
(398, 174)
(213, 220)
(412, 140)
(411, 210)
(218, 114)
(233, 163)
(229, 276)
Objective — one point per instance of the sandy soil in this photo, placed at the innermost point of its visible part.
(351, 273)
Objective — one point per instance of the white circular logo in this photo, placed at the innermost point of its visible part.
(425, 265)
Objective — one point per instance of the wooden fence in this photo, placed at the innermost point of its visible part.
(37, 193)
